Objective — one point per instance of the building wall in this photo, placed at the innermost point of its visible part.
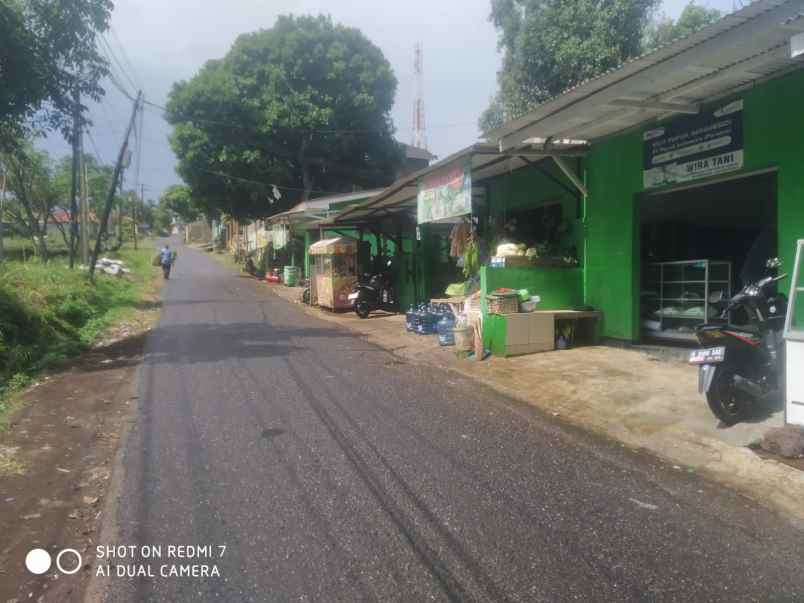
(773, 121)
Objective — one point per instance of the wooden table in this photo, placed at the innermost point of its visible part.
(455, 303)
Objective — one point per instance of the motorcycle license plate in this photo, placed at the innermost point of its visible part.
(708, 355)
(352, 296)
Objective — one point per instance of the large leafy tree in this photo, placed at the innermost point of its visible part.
(178, 199)
(304, 106)
(549, 46)
(47, 49)
(664, 30)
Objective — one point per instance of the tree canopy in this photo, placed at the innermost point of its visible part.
(664, 30)
(179, 200)
(549, 46)
(48, 48)
(304, 106)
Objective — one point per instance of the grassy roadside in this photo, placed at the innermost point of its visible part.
(49, 313)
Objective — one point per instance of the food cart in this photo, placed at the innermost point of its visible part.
(794, 343)
(334, 273)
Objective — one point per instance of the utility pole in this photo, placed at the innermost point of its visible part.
(83, 212)
(77, 127)
(107, 208)
(2, 212)
(136, 223)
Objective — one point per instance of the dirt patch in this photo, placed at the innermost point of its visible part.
(56, 461)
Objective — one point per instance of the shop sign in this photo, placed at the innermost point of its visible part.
(447, 194)
(695, 147)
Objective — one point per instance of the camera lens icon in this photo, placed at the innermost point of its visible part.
(38, 561)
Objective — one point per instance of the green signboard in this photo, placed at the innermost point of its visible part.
(698, 146)
(446, 194)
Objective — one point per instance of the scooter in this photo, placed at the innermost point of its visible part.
(743, 364)
(374, 292)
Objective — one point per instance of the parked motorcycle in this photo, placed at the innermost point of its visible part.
(743, 364)
(373, 292)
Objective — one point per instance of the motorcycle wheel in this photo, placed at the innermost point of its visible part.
(362, 309)
(726, 402)
(306, 296)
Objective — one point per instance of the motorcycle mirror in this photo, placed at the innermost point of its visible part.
(773, 263)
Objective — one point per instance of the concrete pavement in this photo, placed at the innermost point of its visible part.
(334, 470)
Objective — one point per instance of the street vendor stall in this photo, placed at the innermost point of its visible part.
(334, 272)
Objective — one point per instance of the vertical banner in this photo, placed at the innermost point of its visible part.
(446, 194)
(696, 147)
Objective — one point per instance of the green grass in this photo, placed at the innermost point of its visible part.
(49, 313)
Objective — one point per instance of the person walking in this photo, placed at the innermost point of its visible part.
(166, 259)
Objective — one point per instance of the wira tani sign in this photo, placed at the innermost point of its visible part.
(694, 147)
(446, 194)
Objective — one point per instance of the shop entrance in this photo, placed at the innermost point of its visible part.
(699, 241)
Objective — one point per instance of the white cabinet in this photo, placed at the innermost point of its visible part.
(794, 343)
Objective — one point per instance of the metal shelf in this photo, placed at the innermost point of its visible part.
(680, 268)
(697, 282)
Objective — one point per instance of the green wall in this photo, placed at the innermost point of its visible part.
(773, 119)
(559, 289)
(528, 188)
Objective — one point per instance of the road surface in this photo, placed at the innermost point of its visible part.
(332, 471)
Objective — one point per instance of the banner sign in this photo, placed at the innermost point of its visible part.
(447, 194)
(695, 147)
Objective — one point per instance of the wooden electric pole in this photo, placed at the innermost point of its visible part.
(107, 208)
(2, 212)
(83, 211)
(77, 127)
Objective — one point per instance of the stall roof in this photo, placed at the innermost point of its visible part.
(486, 159)
(320, 207)
(751, 44)
(336, 246)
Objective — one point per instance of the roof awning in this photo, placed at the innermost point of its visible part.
(336, 246)
(486, 160)
(751, 44)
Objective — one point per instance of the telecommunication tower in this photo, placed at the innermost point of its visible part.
(419, 132)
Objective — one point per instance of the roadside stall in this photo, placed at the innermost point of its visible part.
(334, 272)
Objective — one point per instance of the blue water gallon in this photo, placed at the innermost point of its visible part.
(410, 319)
(445, 326)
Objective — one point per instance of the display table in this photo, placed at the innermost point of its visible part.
(455, 303)
(530, 332)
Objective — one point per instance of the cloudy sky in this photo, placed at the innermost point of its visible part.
(160, 42)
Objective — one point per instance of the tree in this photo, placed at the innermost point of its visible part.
(551, 45)
(48, 51)
(178, 200)
(34, 195)
(304, 105)
(664, 30)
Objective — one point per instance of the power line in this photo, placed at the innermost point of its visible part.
(129, 64)
(268, 184)
(116, 61)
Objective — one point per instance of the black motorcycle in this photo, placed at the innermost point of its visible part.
(743, 363)
(374, 292)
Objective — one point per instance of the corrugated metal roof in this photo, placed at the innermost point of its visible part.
(742, 47)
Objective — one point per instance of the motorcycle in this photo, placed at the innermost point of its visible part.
(374, 292)
(743, 364)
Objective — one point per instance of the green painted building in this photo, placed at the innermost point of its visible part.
(693, 166)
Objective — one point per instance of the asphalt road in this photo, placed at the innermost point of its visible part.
(333, 471)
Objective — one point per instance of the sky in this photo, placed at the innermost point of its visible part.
(160, 42)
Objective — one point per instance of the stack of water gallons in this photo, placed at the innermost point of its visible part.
(431, 319)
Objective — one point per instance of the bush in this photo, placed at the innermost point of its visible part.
(48, 312)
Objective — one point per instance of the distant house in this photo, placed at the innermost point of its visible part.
(60, 220)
